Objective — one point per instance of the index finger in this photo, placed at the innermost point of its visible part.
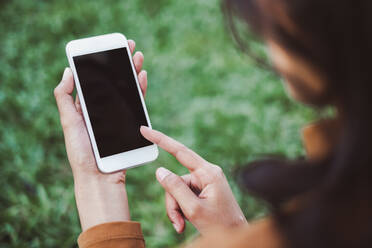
(184, 155)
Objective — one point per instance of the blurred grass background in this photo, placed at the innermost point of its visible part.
(202, 91)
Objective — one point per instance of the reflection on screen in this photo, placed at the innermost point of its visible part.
(112, 99)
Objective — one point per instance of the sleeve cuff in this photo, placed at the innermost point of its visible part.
(110, 231)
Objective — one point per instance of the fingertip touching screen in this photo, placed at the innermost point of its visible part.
(112, 99)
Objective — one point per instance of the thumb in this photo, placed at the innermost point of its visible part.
(65, 101)
(176, 187)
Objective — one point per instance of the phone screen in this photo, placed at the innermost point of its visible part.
(112, 100)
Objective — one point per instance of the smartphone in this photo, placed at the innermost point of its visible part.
(111, 100)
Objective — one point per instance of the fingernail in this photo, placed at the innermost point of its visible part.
(65, 73)
(144, 127)
(162, 173)
(176, 227)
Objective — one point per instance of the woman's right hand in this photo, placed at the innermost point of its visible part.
(203, 196)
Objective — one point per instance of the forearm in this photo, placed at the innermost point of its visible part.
(100, 202)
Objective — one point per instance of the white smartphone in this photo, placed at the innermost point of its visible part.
(111, 100)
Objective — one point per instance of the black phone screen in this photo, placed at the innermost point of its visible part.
(112, 100)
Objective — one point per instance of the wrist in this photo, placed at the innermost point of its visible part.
(100, 200)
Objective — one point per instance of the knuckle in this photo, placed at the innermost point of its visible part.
(181, 149)
(217, 171)
(173, 181)
(57, 92)
(194, 211)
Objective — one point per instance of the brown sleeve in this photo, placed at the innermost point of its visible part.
(114, 234)
(261, 234)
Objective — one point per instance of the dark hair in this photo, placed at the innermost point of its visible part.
(333, 196)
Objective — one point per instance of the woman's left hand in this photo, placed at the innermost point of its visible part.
(99, 197)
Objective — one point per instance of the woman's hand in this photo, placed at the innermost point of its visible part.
(100, 197)
(203, 196)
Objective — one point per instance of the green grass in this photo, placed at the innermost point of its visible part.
(202, 91)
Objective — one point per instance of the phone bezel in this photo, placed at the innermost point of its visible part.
(124, 160)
